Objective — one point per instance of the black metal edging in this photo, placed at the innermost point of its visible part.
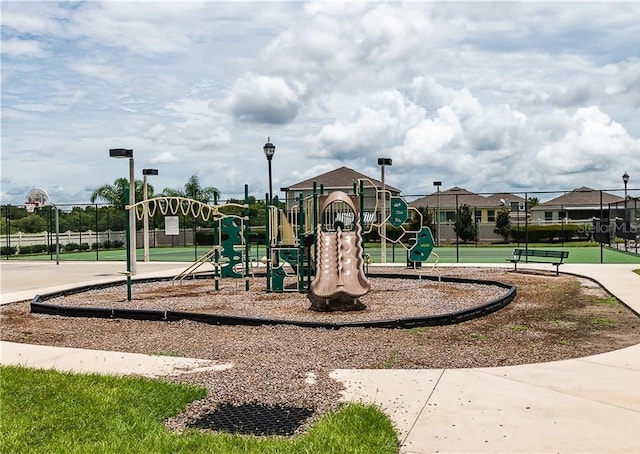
(38, 306)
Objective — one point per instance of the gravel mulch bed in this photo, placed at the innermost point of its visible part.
(389, 299)
(551, 318)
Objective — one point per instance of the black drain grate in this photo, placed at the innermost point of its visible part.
(253, 419)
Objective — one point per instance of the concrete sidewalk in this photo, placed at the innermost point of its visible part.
(22, 280)
(103, 362)
(585, 405)
(582, 405)
(589, 404)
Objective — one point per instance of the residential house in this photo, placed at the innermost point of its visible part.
(444, 204)
(341, 179)
(579, 205)
(447, 202)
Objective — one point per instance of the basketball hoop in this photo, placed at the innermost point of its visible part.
(36, 197)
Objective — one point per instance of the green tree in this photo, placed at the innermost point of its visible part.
(427, 219)
(114, 193)
(79, 219)
(33, 223)
(194, 190)
(110, 218)
(533, 202)
(13, 214)
(256, 210)
(503, 224)
(464, 225)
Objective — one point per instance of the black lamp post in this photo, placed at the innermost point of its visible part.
(625, 179)
(269, 151)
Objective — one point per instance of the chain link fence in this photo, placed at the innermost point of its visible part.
(608, 218)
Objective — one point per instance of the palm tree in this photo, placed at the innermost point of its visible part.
(193, 190)
(114, 194)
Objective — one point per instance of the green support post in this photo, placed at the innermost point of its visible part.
(315, 204)
(247, 249)
(216, 254)
(313, 229)
(301, 246)
(267, 243)
(128, 233)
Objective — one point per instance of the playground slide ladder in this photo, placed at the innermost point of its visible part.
(191, 269)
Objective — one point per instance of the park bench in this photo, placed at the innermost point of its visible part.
(540, 256)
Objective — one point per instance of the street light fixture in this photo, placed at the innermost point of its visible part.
(382, 162)
(625, 180)
(128, 153)
(269, 151)
(437, 184)
(145, 214)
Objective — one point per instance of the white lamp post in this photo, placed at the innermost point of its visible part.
(128, 153)
(382, 162)
(145, 214)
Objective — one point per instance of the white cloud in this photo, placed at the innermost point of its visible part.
(24, 48)
(375, 126)
(190, 136)
(104, 72)
(431, 142)
(578, 93)
(138, 28)
(481, 95)
(389, 33)
(163, 158)
(190, 107)
(31, 19)
(588, 145)
(264, 99)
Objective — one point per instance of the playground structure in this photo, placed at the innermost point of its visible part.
(340, 277)
(322, 238)
(317, 246)
(327, 261)
(229, 254)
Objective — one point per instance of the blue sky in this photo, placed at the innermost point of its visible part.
(509, 96)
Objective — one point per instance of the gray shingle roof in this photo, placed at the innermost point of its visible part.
(448, 199)
(340, 178)
(583, 197)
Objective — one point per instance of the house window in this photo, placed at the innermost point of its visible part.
(562, 214)
(491, 215)
(548, 215)
(478, 215)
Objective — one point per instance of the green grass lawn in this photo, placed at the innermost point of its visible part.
(448, 254)
(48, 412)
